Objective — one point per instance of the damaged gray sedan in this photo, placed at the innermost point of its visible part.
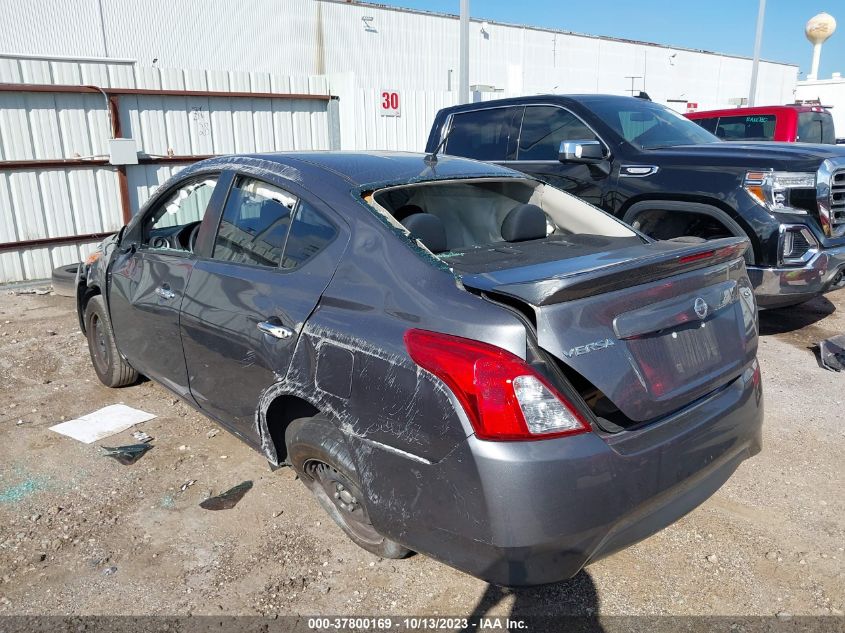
(457, 359)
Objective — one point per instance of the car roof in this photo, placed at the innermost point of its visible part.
(373, 168)
(545, 98)
(774, 109)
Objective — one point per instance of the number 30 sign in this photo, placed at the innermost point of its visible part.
(390, 103)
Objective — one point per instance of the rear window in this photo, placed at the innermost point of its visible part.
(254, 224)
(483, 134)
(756, 127)
(815, 127)
(264, 225)
(496, 216)
(309, 234)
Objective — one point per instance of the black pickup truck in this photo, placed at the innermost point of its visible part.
(670, 178)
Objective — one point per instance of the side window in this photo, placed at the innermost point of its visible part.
(815, 127)
(309, 234)
(543, 129)
(483, 134)
(185, 206)
(635, 123)
(707, 124)
(255, 224)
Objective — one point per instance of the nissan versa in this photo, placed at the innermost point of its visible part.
(456, 358)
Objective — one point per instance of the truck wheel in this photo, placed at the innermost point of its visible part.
(671, 220)
(109, 365)
(317, 453)
(64, 280)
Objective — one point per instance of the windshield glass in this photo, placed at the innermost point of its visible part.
(649, 125)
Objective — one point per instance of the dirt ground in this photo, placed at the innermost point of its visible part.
(83, 534)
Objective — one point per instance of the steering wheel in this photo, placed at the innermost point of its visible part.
(192, 238)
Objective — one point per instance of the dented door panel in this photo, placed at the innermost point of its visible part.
(145, 296)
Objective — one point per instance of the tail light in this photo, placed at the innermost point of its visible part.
(503, 397)
(688, 259)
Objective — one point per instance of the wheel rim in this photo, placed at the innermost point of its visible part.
(99, 344)
(347, 499)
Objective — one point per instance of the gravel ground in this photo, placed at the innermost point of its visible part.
(83, 534)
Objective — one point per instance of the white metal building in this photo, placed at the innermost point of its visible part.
(831, 93)
(383, 47)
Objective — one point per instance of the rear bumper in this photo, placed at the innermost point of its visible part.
(775, 287)
(527, 513)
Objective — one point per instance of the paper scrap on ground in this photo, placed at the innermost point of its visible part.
(102, 423)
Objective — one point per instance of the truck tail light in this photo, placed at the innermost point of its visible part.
(503, 397)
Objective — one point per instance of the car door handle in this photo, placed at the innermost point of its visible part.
(165, 292)
(275, 330)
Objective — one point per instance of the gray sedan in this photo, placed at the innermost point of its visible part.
(457, 359)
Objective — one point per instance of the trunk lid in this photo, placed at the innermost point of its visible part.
(652, 326)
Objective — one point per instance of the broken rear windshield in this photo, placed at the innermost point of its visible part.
(506, 221)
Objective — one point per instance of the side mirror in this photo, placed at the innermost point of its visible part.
(581, 151)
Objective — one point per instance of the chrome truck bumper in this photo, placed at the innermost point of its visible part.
(778, 287)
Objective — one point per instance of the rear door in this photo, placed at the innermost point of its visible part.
(543, 129)
(273, 255)
(148, 282)
(487, 134)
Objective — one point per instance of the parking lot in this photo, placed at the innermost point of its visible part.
(83, 534)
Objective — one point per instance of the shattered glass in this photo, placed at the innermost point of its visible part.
(832, 352)
(229, 499)
(128, 454)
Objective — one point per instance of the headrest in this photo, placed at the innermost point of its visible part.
(524, 222)
(428, 229)
(405, 210)
(270, 210)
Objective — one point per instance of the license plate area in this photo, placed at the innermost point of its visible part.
(682, 356)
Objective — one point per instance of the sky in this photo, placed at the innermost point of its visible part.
(723, 26)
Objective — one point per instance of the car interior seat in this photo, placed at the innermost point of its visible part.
(428, 229)
(405, 210)
(524, 222)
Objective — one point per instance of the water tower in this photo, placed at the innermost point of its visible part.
(819, 28)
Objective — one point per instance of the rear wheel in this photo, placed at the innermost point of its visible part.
(109, 365)
(318, 454)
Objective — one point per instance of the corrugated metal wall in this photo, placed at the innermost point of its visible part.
(60, 202)
(408, 132)
(404, 50)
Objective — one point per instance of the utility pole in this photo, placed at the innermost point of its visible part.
(758, 40)
(463, 67)
(633, 78)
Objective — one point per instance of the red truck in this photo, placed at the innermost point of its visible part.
(795, 123)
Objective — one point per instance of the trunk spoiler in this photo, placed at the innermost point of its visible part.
(570, 279)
